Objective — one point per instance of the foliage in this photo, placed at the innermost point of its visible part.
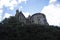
(13, 30)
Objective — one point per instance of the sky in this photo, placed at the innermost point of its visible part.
(51, 8)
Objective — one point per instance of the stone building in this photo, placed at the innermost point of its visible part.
(20, 17)
(37, 18)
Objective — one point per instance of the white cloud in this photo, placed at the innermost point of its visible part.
(52, 12)
(11, 8)
(7, 15)
(1, 11)
(26, 14)
(20, 8)
(19, 1)
(52, 1)
(10, 3)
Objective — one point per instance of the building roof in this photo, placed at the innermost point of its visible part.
(20, 13)
(38, 14)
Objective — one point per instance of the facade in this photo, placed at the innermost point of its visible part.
(20, 17)
(37, 18)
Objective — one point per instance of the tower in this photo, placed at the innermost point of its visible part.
(17, 12)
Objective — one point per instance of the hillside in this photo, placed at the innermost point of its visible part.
(11, 29)
(29, 32)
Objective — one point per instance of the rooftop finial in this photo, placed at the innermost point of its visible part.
(20, 11)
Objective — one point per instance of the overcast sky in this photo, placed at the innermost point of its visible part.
(51, 8)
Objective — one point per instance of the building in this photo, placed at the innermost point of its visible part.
(37, 18)
(20, 17)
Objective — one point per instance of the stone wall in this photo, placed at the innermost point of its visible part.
(37, 18)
